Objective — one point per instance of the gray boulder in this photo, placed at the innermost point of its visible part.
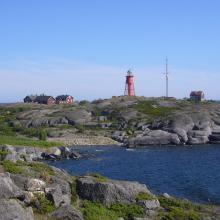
(67, 212)
(12, 210)
(149, 204)
(8, 189)
(110, 191)
(155, 137)
(35, 185)
(56, 196)
(119, 136)
(78, 116)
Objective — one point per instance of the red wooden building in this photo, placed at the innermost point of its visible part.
(48, 100)
(197, 96)
(64, 99)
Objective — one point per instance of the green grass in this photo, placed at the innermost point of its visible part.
(3, 154)
(153, 109)
(11, 167)
(143, 196)
(41, 204)
(127, 211)
(41, 167)
(98, 177)
(97, 211)
(179, 209)
(19, 141)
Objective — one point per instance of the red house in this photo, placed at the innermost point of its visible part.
(48, 100)
(64, 99)
(197, 96)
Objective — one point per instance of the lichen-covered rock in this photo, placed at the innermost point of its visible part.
(155, 137)
(67, 212)
(150, 204)
(12, 210)
(109, 191)
(35, 185)
(8, 189)
(56, 196)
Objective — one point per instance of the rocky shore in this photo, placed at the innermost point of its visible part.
(130, 121)
(31, 190)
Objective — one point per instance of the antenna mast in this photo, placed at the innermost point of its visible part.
(167, 79)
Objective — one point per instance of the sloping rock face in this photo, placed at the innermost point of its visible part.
(78, 116)
(110, 191)
(11, 210)
(156, 137)
(7, 188)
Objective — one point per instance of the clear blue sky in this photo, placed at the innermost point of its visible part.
(85, 47)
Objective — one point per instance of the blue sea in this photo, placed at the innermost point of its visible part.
(185, 172)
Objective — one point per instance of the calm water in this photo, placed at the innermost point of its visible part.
(185, 172)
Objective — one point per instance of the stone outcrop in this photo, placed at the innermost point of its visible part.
(67, 212)
(11, 210)
(155, 137)
(8, 189)
(109, 191)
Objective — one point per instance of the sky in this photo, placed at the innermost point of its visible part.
(85, 47)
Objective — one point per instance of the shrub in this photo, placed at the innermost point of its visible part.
(98, 177)
(180, 214)
(3, 154)
(42, 135)
(41, 204)
(96, 211)
(73, 190)
(127, 211)
(41, 167)
(11, 167)
(143, 196)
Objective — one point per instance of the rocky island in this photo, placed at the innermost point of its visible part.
(130, 121)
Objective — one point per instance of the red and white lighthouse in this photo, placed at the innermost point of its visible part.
(129, 84)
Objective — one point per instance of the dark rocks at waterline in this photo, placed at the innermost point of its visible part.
(29, 154)
(156, 137)
(108, 191)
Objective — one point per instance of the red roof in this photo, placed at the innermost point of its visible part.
(196, 93)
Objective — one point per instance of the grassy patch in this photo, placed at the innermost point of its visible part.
(41, 204)
(180, 214)
(143, 196)
(18, 141)
(98, 177)
(73, 190)
(41, 167)
(152, 108)
(127, 211)
(11, 167)
(3, 154)
(96, 211)
(179, 209)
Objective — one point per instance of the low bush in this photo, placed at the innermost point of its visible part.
(41, 167)
(11, 167)
(3, 154)
(143, 196)
(42, 135)
(41, 204)
(96, 211)
(98, 177)
(127, 211)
